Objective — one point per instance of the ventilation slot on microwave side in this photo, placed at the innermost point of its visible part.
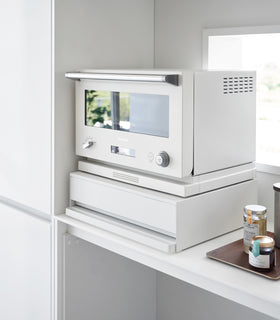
(234, 85)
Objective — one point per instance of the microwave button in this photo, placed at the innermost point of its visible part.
(162, 159)
(89, 143)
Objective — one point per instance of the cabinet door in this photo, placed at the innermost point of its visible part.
(25, 268)
(25, 102)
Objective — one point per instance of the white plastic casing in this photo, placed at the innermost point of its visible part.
(209, 129)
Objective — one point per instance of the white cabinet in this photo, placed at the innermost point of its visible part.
(25, 268)
(40, 41)
(104, 275)
(25, 102)
(102, 285)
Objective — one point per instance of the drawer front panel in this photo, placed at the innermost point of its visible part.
(128, 204)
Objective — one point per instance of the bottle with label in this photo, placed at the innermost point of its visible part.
(254, 218)
(262, 253)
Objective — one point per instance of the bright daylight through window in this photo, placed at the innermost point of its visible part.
(260, 52)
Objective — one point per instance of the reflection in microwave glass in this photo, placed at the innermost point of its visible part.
(103, 106)
(133, 112)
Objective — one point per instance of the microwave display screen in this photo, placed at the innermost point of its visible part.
(131, 112)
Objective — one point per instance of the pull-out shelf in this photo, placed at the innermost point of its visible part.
(124, 229)
(149, 216)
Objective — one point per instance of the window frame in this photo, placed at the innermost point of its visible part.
(249, 30)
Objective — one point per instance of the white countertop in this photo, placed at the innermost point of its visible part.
(192, 266)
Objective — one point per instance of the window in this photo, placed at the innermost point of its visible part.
(253, 49)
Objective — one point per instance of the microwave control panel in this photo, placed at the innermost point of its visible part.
(162, 158)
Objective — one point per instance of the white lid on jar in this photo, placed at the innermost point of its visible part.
(255, 209)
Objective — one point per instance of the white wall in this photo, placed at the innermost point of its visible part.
(99, 34)
(92, 34)
(179, 25)
(178, 42)
(266, 192)
(103, 285)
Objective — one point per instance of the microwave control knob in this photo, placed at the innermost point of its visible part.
(89, 143)
(162, 159)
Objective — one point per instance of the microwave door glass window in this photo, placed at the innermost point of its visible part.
(149, 114)
(132, 112)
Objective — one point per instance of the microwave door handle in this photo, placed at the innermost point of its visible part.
(164, 78)
(115, 110)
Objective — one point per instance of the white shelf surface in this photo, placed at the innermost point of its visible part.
(192, 266)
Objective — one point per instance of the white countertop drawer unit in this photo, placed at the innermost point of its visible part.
(188, 220)
(151, 209)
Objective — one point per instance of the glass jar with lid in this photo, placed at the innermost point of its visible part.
(254, 219)
(262, 253)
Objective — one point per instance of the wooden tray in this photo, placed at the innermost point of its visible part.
(233, 254)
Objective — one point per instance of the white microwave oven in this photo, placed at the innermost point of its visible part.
(174, 124)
